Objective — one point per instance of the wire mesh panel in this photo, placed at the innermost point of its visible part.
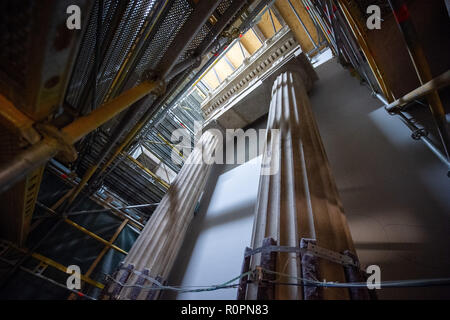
(173, 22)
(204, 31)
(126, 36)
(223, 6)
(86, 56)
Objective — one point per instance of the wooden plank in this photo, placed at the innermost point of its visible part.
(250, 42)
(235, 56)
(291, 20)
(265, 25)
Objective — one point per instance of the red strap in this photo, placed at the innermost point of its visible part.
(402, 14)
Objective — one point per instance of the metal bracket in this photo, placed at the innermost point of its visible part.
(153, 294)
(139, 283)
(160, 89)
(197, 63)
(310, 271)
(330, 255)
(417, 134)
(151, 75)
(65, 146)
(266, 290)
(311, 249)
(123, 278)
(232, 34)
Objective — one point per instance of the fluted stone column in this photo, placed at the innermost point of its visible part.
(157, 246)
(300, 199)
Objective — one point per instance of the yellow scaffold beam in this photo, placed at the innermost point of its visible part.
(140, 165)
(171, 145)
(57, 265)
(62, 140)
(94, 236)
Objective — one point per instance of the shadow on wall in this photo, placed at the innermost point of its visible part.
(213, 250)
(394, 191)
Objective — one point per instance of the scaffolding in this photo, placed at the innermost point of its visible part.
(136, 76)
(345, 23)
(131, 84)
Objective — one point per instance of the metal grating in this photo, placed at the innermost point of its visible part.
(175, 19)
(135, 15)
(86, 56)
(204, 31)
(223, 6)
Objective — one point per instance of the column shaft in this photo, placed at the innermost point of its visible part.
(300, 199)
(156, 248)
